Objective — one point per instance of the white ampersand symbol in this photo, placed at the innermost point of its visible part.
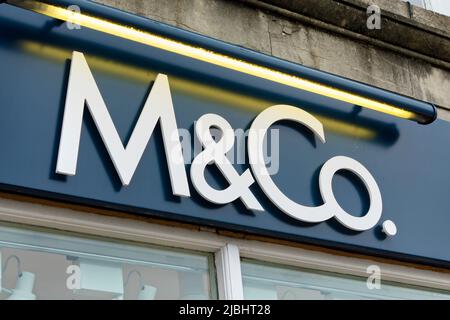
(215, 152)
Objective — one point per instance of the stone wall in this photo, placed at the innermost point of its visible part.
(409, 55)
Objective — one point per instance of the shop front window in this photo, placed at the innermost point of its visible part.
(274, 282)
(42, 265)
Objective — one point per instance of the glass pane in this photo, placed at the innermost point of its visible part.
(62, 266)
(440, 6)
(272, 282)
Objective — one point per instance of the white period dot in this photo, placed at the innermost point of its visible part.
(389, 228)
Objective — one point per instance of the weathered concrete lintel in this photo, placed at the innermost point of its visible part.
(426, 32)
(414, 16)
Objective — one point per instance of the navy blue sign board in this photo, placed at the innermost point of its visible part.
(409, 161)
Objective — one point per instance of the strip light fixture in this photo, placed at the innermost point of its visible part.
(216, 58)
(189, 87)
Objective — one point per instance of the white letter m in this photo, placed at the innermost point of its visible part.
(82, 90)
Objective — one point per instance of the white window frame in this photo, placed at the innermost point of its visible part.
(228, 251)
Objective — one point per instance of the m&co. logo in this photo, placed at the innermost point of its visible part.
(83, 91)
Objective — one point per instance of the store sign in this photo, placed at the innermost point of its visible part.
(82, 90)
(100, 121)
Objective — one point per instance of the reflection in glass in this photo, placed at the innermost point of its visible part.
(272, 282)
(40, 265)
